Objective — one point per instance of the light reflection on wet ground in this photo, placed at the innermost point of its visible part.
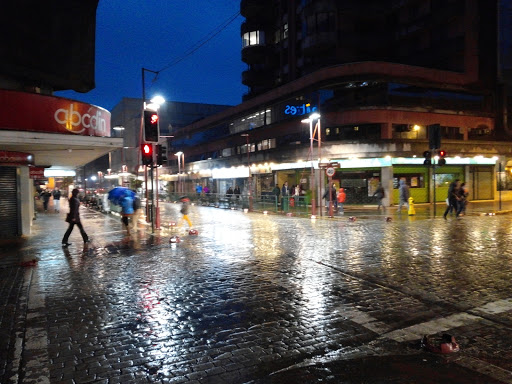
(252, 294)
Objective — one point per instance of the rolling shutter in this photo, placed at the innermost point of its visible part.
(8, 203)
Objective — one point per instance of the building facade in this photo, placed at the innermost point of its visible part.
(45, 48)
(379, 73)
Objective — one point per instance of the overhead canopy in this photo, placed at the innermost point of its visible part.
(59, 150)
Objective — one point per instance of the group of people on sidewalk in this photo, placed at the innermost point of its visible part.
(45, 196)
(457, 199)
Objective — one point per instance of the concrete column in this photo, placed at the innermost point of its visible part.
(26, 197)
(387, 183)
(386, 131)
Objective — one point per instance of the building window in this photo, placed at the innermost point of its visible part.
(321, 22)
(253, 38)
(285, 31)
(255, 120)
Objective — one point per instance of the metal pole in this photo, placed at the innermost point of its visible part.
(146, 193)
(313, 200)
(500, 181)
(329, 188)
(184, 174)
(152, 200)
(157, 209)
(179, 174)
(250, 176)
(320, 159)
(141, 136)
(435, 207)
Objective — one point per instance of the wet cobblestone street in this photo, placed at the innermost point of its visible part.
(259, 298)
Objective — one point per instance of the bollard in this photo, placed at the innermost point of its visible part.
(412, 210)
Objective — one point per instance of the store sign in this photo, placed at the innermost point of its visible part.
(33, 112)
(299, 110)
(36, 172)
(16, 158)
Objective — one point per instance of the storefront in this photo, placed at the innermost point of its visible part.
(47, 132)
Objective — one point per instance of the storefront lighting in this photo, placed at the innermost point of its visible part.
(416, 127)
(58, 173)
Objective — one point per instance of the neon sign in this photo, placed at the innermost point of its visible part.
(299, 110)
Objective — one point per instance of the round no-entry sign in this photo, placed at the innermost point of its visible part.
(329, 172)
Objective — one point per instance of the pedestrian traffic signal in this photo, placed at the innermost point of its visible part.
(146, 151)
(428, 158)
(161, 155)
(151, 130)
(442, 160)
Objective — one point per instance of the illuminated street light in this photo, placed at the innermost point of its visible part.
(309, 120)
(249, 181)
(180, 155)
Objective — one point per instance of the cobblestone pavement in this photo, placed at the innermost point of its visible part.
(258, 299)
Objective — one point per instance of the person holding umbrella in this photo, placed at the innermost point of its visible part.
(126, 210)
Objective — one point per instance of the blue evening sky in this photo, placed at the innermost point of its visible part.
(152, 34)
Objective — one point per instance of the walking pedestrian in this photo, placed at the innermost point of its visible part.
(453, 198)
(332, 198)
(276, 192)
(379, 194)
(184, 211)
(126, 211)
(403, 193)
(73, 218)
(199, 189)
(463, 194)
(342, 196)
(136, 211)
(285, 192)
(45, 195)
(56, 199)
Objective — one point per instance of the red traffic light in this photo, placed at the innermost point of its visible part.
(442, 153)
(147, 153)
(146, 149)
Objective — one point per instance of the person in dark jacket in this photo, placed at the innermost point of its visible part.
(56, 199)
(74, 218)
(379, 194)
(453, 198)
(46, 199)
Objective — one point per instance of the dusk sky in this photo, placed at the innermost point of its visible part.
(153, 34)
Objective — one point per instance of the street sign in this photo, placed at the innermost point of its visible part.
(330, 172)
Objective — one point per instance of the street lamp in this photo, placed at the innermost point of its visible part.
(180, 155)
(313, 116)
(249, 181)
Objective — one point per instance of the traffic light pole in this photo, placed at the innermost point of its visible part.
(434, 170)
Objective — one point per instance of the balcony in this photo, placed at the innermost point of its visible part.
(256, 54)
(319, 42)
(260, 9)
(258, 77)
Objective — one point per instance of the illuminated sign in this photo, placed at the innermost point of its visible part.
(16, 158)
(23, 111)
(299, 110)
(76, 122)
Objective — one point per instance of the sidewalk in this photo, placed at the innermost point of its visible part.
(255, 304)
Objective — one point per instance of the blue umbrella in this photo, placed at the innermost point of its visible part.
(118, 193)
